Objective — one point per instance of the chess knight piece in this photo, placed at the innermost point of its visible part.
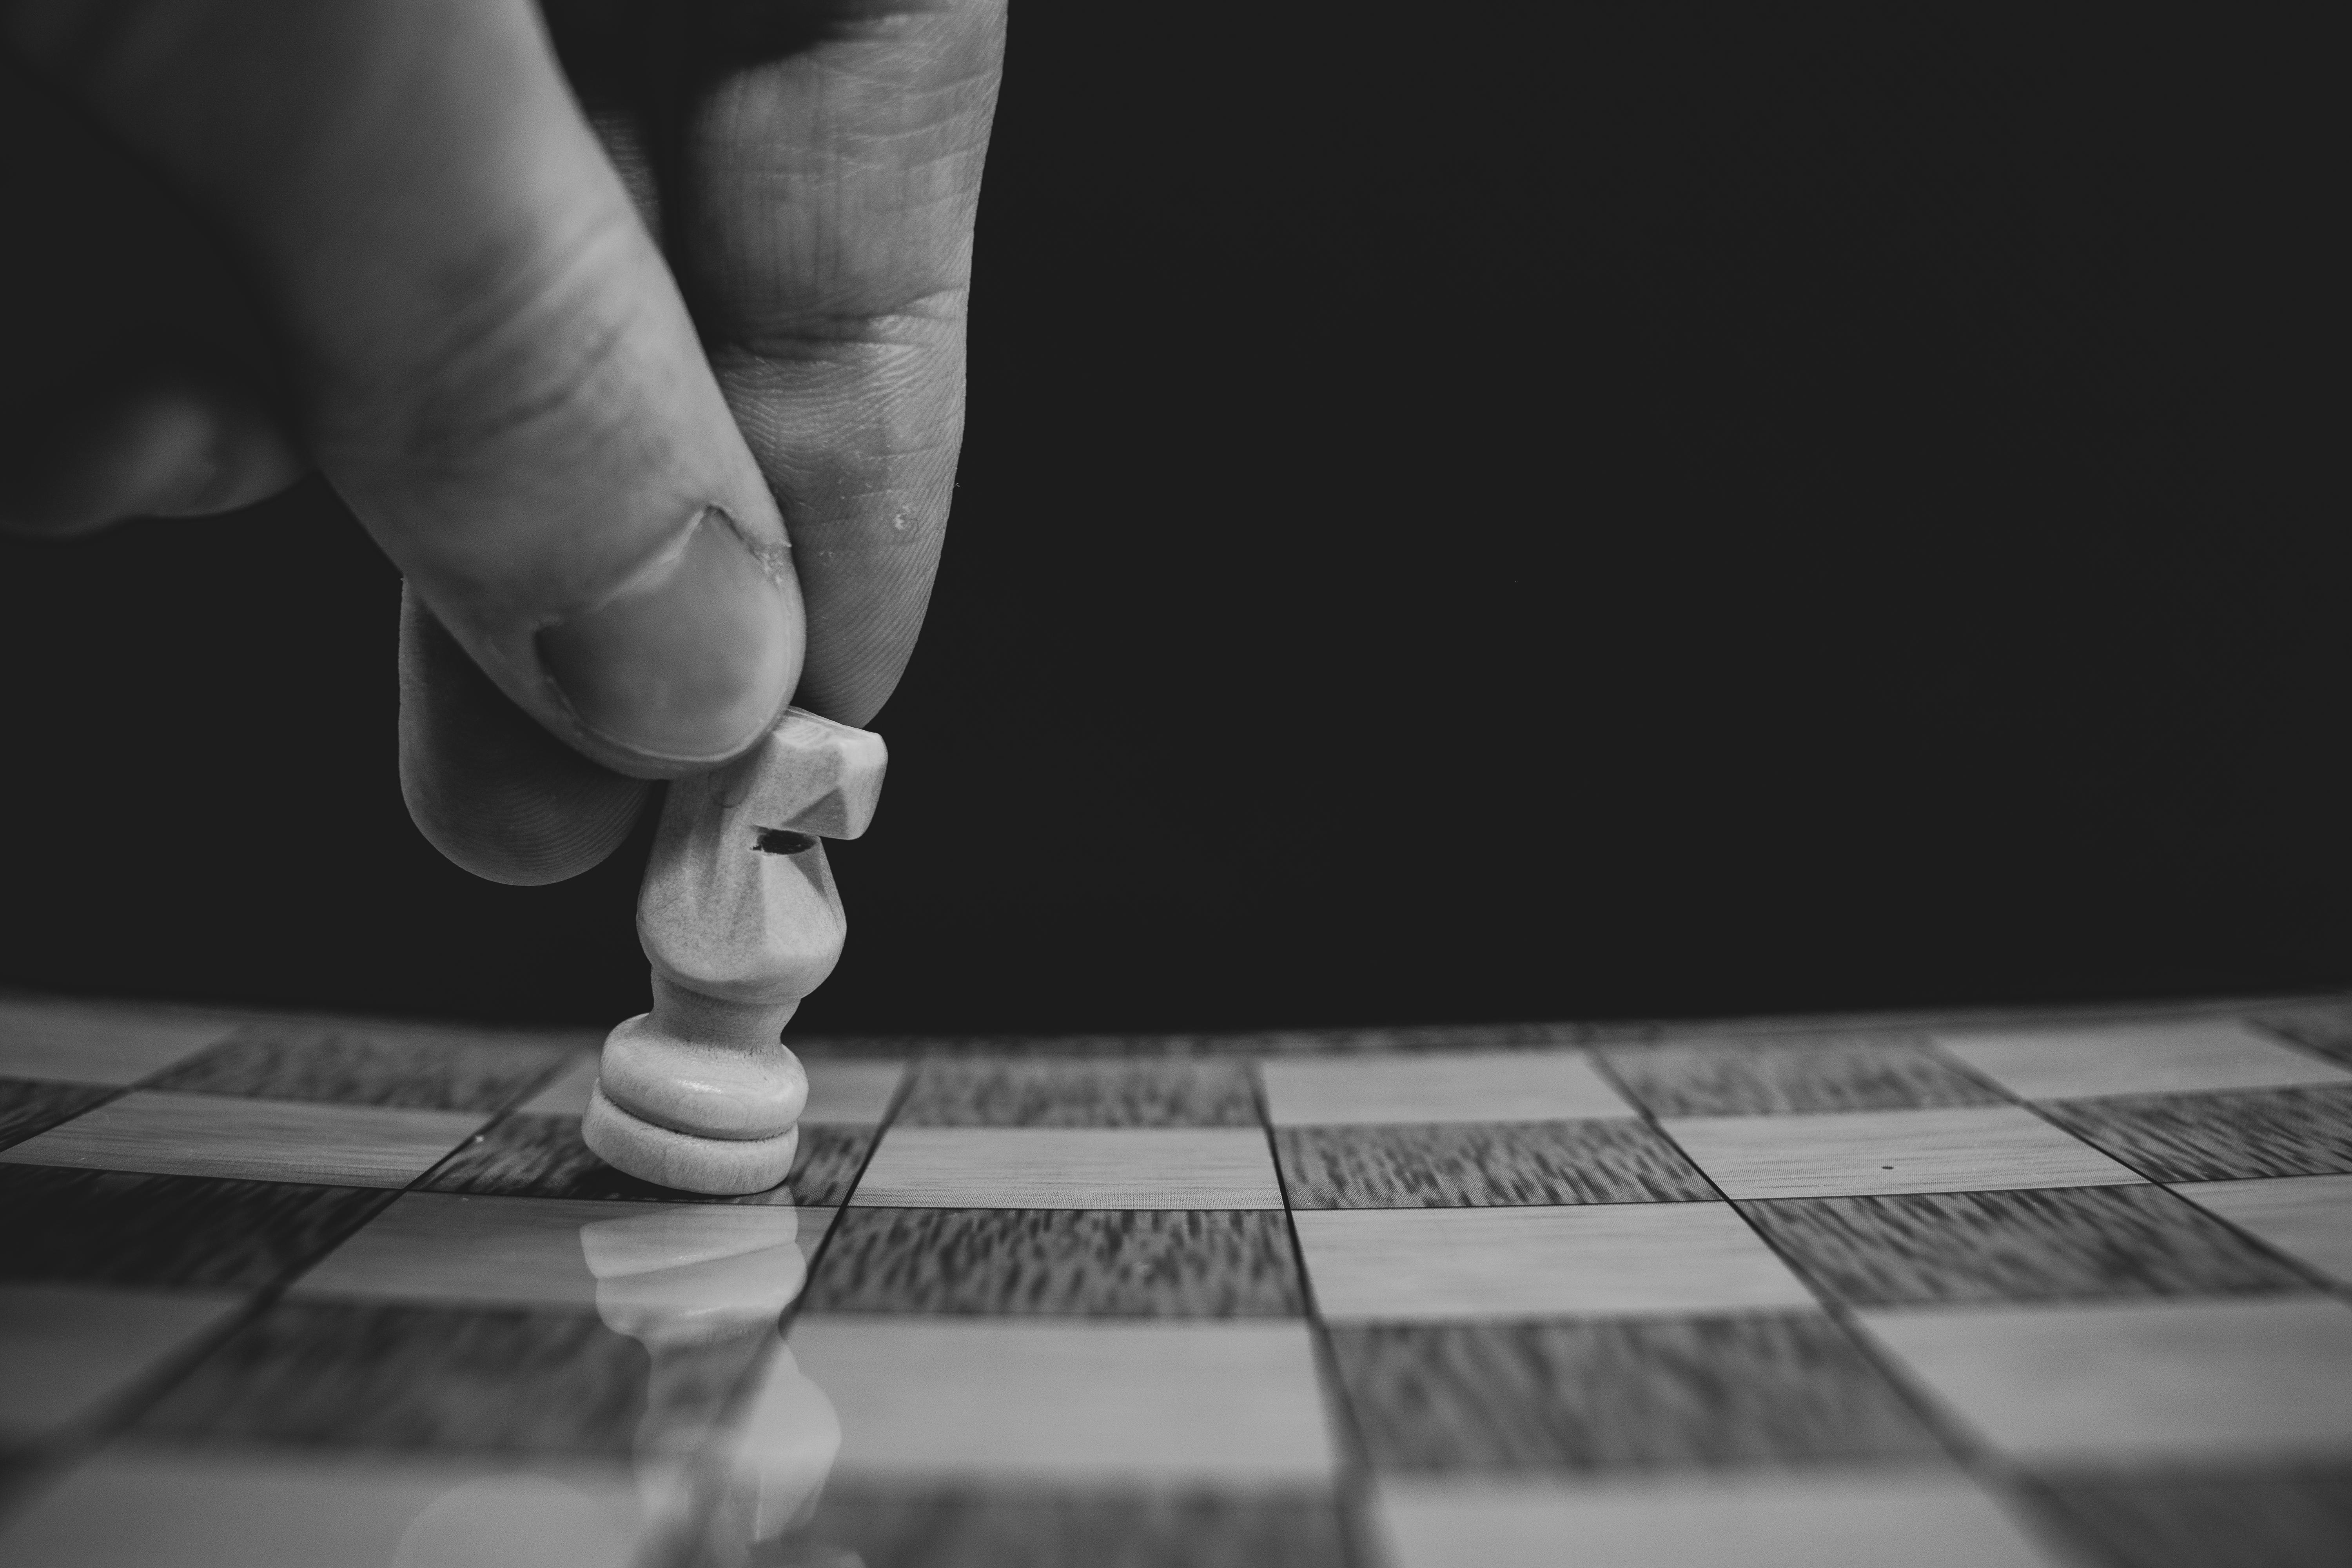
(739, 919)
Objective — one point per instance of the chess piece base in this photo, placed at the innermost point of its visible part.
(726, 1167)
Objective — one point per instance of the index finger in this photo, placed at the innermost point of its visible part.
(484, 351)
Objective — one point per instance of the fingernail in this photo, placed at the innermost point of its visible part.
(685, 663)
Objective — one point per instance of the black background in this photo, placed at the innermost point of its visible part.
(1458, 522)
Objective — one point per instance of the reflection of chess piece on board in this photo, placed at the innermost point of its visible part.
(739, 920)
(702, 1285)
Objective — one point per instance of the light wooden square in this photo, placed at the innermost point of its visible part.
(1853, 1153)
(1232, 1403)
(252, 1140)
(1826, 1519)
(137, 1508)
(2182, 1056)
(2307, 1217)
(850, 1094)
(1437, 1086)
(565, 1094)
(67, 1352)
(1071, 1168)
(66, 1043)
(551, 1252)
(2216, 1380)
(1582, 1260)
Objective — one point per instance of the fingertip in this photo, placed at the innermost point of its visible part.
(519, 837)
(247, 458)
(165, 444)
(488, 786)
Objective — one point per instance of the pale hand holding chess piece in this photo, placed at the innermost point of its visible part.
(739, 919)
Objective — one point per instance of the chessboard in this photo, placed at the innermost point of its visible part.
(1963, 1292)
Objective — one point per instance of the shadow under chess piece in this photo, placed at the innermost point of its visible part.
(739, 919)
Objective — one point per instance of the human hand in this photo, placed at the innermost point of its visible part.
(658, 419)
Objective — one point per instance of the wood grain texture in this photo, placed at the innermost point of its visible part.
(2219, 1137)
(565, 1092)
(1044, 1092)
(2146, 1382)
(426, 1071)
(115, 1044)
(251, 1140)
(1747, 1078)
(542, 1157)
(400, 1376)
(1484, 1165)
(2309, 1219)
(118, 1228)
(2297, 1518)
(1858, 1152)
(1071, 1168)
(1499, 1397)
(917, 1527)
(2321, 1027)
(2015, 1246)
(29, 1105)
(1061, 1262)
(536, 1252)
(1915, 1516)
(850, 1093)
(69, 1351)
(827, 1164)
(392, 1355)
(2198, 1056)
(1450, 1086)
(1404, 1265)
(1231, 1403)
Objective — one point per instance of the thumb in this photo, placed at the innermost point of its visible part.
(488, 357)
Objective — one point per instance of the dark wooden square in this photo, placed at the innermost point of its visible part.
(1216, 1263)
(1614, 1394)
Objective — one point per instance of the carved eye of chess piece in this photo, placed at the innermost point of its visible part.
(739, 919)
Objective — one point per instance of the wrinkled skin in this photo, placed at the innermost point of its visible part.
(537, 289)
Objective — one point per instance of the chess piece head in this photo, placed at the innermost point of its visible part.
(739, 919)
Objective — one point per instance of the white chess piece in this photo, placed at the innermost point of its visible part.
(739, 919)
